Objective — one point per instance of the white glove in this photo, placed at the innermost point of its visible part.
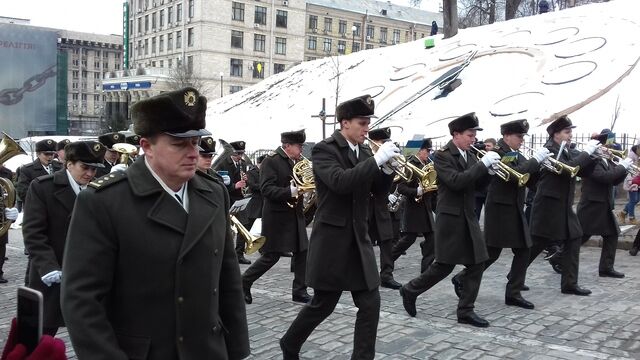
(387, 169)
(490, 158)
(386, 152)
(591, 146)
(294, 190)
(118, 167)
(419, 190)
(541, 154)
(226, 179)
(392, 198)
(12, 213)
(52, 277)
(626, 163)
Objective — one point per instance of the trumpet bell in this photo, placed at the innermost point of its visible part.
(252, 243)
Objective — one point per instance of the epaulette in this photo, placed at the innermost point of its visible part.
(27, 165)
(108, 179)
(272, 153)
(43, 177)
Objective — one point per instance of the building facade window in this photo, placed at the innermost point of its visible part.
(396, 36)
(258, 70)
(370, 32)
(313, 22)
(328, 24)
(281, 46)
(75, 74)
(139, 50)
(190, 64)
(356, 47)
(236, 67)
(312, 44)
(326, 47)
(357, 25)
(178, 12)
(190, 37)
(139, 25)
(342, 47)
(170, 15)
(237, 11)
(153, 20)
(179, 39)
(161, 44)
(259, 42)
(191, 9)
(281, 19)
(342, 27)
(237, 38)
(169, 41)
(234, 89)
(146, 46)
(153, 44)
(278, 68)
(146, 23)
(368, 47)
(161, 18)
(260, 16)
(383, 35)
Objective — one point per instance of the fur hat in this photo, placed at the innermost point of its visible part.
(111, 138)
(380, 133)
(62, 143)
(133, 140)
(179, 113)
(464, 122)
(293, 137)
(238, 146)
(515, 127)
(559, 124)
(46, 145)
(90, 153)
(362, 106)
(426, 144)
(207, 145)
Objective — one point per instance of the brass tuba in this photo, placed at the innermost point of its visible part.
(8, 149)
(253, 243)
(126, 151)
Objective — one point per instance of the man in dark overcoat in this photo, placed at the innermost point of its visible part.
(50, 201)
(254, 207)
(552, 215)
(111, 156)
(417, 216)
(341, 256)
(505, 225)
(150, 271)
(595, 210)
(42, 165)
(236, 169)
(380, 225)
(282, 217)
(457, 232)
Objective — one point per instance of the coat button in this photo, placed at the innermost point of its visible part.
(215, 290)
(215, 252)
(180, 299)
(180, 339)
(215, 329)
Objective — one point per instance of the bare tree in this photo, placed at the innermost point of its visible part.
(181, 76)
(450, 17)
(337, 72)
(616, 113)
(477, 12)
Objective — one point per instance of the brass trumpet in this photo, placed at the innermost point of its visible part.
(401, 170)
(555, 166)
(504, 171)
(253, 243)
(616, 156)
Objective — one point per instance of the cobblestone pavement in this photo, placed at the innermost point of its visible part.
(605, 325)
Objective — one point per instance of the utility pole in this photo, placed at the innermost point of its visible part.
(323, 117)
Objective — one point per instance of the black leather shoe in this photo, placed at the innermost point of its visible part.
(286, 354)
(243, 260)
(247, 294)
(6, 258)
(473, 319)
(633, 251)
(611, 273)
(391, 284)
(519, 302)
(524, 288)
(302, 298)
(577, 290)
(409, 303)
(457, 286)
(3, 280)
(287, 254)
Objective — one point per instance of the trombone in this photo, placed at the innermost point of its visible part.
(504, 171)
(555, 166)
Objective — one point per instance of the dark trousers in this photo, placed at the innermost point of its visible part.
(438, 271)
(322, 305)
(608, 253)
(518, 271)
(386, 260)
(426, 247)
(266, 262)
(570, 259)
(479, 205)
(240, 241)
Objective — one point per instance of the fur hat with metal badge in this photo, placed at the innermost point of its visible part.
(46, 145)
(207, 145)
(62, 143)
(179, 113)
(362, 106)
(111, 138)
(90, 153)
(380, 133)
(559, 124)
(515, 127)
(465, 122)
(133, 140)
(238, 146)
(293, 137)
(426, 144)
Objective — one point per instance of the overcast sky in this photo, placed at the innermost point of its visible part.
(96, 16)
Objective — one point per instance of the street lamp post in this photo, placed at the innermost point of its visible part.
(353, 37)
(221, 84)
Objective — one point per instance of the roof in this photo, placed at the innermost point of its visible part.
(373, 8)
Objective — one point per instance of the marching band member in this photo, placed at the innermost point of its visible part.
(505, 225)
(111, 156)
(150, 271)
(552, 215)
(458, 239)
(341, 256)
(283, 222)
(595, 209)
(254, 207)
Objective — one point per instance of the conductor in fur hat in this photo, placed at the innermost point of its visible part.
(150, 271)
(340, 256)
